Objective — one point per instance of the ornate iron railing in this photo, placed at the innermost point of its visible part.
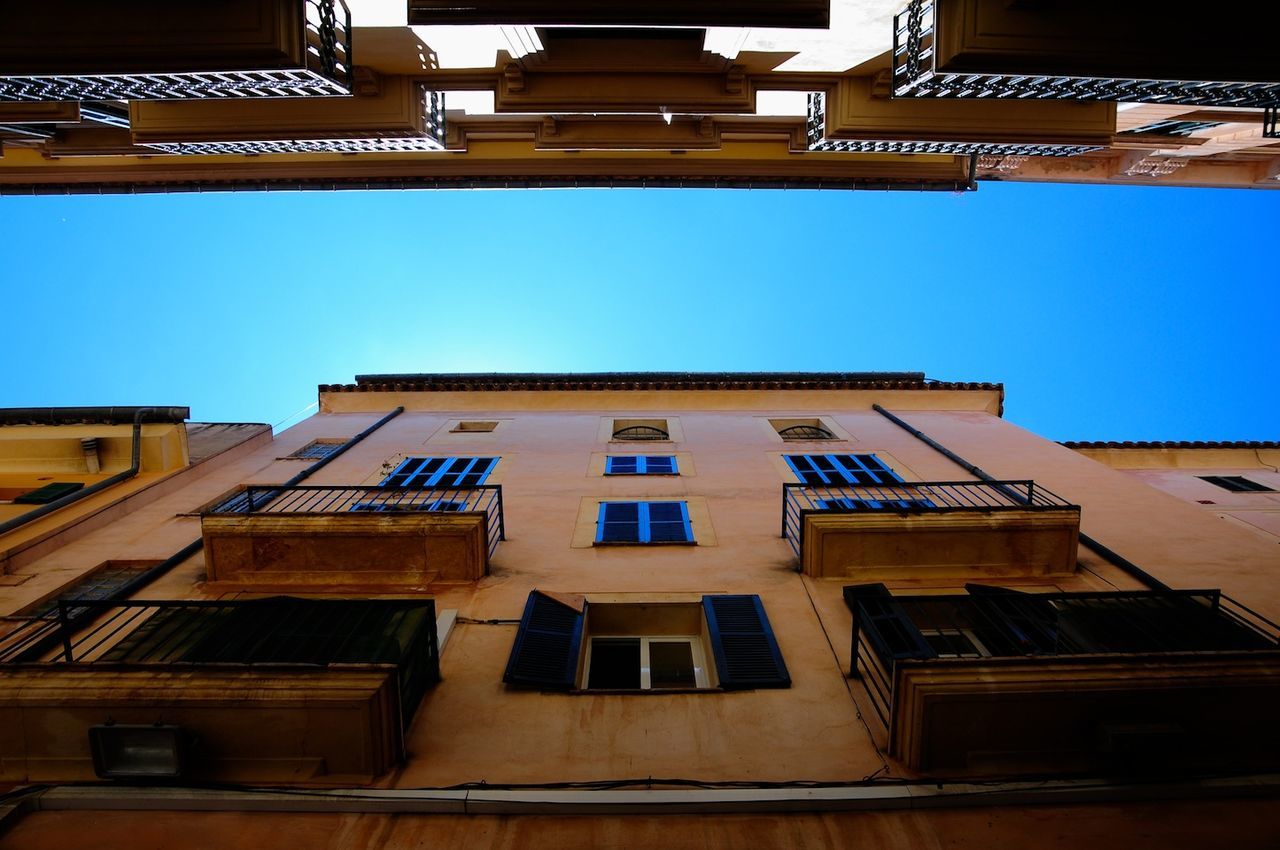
(279, 631)
(265, 499)
(915, 74)
(325, 70)
(816, 127)
(800, 500)
(993, 622)
(432, 139)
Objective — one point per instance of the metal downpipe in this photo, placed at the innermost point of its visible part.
(1106, 552)
(98, 487)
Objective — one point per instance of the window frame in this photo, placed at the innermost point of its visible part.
(1250, 486)
(445, 468)
(697, 651)
(643, 529)
(642, 463)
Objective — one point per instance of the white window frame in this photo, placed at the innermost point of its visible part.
(697, 650)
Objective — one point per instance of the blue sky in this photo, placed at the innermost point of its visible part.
(1108, 312)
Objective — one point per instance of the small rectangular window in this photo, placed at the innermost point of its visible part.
(641, 429)
(466, 427)
(49, 493)
(440, 472)
(1236, 484)
(644, 522)
(646, 663)
(842, 469)
(317, 449)
(641, 465)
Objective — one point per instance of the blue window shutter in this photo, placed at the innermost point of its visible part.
(668, 522)
(745, 650)
(545, 654)
(659, 465)
(888, 627)
(620, 522)
(622, 465)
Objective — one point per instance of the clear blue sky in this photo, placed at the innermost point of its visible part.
(1108, 312)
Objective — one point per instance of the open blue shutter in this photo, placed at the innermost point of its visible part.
(746, 653)
(545, 654)
(888, 627)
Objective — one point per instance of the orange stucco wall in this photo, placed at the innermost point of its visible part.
(472, 728)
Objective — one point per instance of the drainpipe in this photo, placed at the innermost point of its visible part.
(85, 492)
(147, 576)
(1107, 553)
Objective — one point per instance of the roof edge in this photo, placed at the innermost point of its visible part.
(621, 381)
(1171, 444)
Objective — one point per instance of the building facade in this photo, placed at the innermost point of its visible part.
(933, 95)
(643, 609)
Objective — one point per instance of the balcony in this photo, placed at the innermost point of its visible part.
(930, 529)
(365, 538)
(270, 690)
(151, 49)
(999, 682)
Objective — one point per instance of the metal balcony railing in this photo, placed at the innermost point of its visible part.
(799, 500)
(998, 623)
(304, 500)
(279, 631)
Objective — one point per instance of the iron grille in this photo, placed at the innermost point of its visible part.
(483, 498)
(805, 432)
(433, 122)
(801, 500)
(992, 622)
(279, 631)
(317, 450)
(641, 432)
(327, 72)
(815, 131)
(915, 74)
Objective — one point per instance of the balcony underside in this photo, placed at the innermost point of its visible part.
(340, 725)
(884, 545)
(363, 550)
(1098, 714)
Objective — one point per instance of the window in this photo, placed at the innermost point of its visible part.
(641, 465)
(1236, 484)
(641, 429)
(644, 522)
(954, 643)
(802, 429)
(48, 493)
(719, 641)
(841, 469)
(318, 449)
(107, 579)
(441, 472)
(645, 663)
(466, 427)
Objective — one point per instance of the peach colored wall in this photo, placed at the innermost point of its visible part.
(471, 727)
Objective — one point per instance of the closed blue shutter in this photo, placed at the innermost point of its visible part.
(545, 654)
(746, 653)
(669, 523)
(622, 465)
(619, 522)
(659, 465)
